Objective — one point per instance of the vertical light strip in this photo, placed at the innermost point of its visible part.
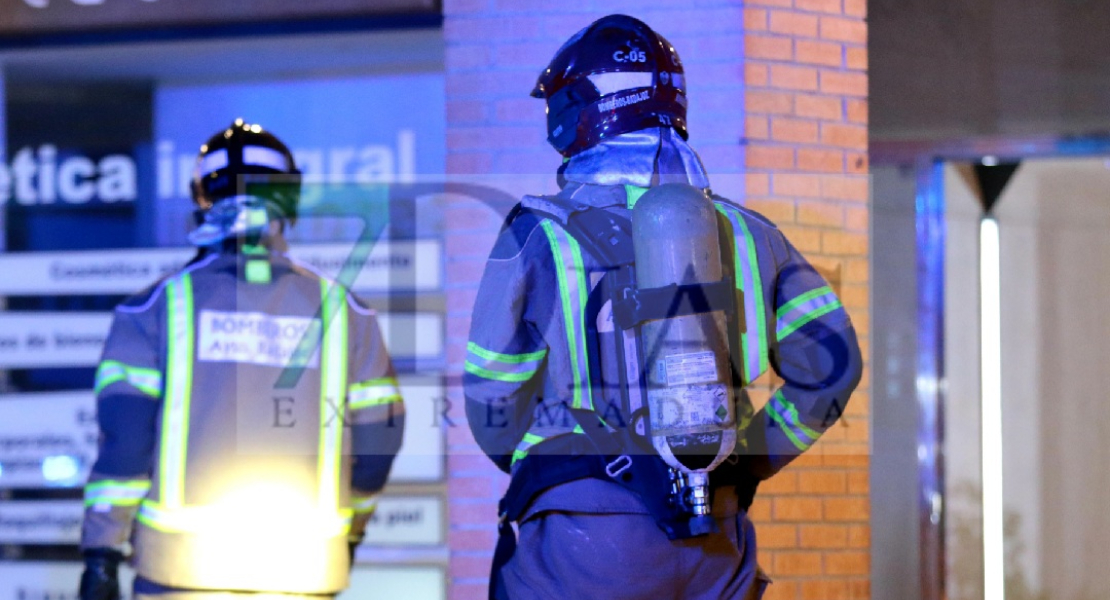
(990, 316)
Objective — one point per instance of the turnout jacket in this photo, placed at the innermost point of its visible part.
(527, 359)
(249, 413)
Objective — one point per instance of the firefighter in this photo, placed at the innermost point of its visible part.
(249, 412)
(562, 384)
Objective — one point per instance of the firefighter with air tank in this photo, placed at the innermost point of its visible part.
(615, 329)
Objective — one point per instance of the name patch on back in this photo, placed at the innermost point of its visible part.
(258, 338)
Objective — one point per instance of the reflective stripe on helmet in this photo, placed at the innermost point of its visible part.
(573, 292)
(611, 83)
(147, 381)
(333, 388)
(179, 388)
(211, 162)
(260, 156)
(749, 281)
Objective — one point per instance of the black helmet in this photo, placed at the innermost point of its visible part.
(243, 159)
(613, 77)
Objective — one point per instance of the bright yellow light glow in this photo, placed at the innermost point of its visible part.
(273, 530)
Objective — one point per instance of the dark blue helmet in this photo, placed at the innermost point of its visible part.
(245, 159)
(613, 77)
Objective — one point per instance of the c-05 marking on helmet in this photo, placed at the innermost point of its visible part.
(631, 56)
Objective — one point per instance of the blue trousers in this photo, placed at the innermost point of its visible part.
(563, 555)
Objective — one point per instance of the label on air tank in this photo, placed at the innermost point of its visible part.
(689, 409)
(689, 369)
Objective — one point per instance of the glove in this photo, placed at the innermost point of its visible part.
(100, 580)
(351, 547)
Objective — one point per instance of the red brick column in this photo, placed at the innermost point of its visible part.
(813, 517)
(806, 132)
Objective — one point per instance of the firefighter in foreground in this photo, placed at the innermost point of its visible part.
(248, 409)
(615, 328)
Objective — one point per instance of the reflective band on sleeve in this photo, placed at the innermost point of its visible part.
(333, 386)
(530, 439)
(147, 381)
(786, 415)
(502, 367)
(374, 392)
(749, 281)
(179, 384)
(116, 493)
(805, 308)
(364, 505)
(572, 292)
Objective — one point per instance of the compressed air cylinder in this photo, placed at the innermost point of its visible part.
(686, 358)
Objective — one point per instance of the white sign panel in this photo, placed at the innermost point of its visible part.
(391, 266)
(422, 451)
(41, 522)
(390, 583)
(50, 439)
(52, 339)
(58, 581)
(50, 580)
(47, 440)
(31, 340)
(92, 272)
(398, 521)
(405, 521)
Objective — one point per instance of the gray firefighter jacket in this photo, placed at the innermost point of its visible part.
(249, 413)
(527, 356)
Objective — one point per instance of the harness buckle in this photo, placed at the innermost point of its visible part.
(619, 465)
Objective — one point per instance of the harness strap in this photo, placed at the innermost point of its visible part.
(639, 305)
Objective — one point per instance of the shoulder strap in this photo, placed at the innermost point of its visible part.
(606, 236)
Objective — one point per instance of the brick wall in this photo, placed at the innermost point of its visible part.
(793, 146)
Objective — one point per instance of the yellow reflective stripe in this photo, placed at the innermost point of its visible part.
(116, 493)
(804, 309)
(632, 194)
(505, 358)
(365, 505)
(571, 273)
(203, 519)
(147, 381)
(495, 366)
(179, 384)
(790, 434)
(374, 392)
(530, 440)
(748, 279)
(333, 385)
